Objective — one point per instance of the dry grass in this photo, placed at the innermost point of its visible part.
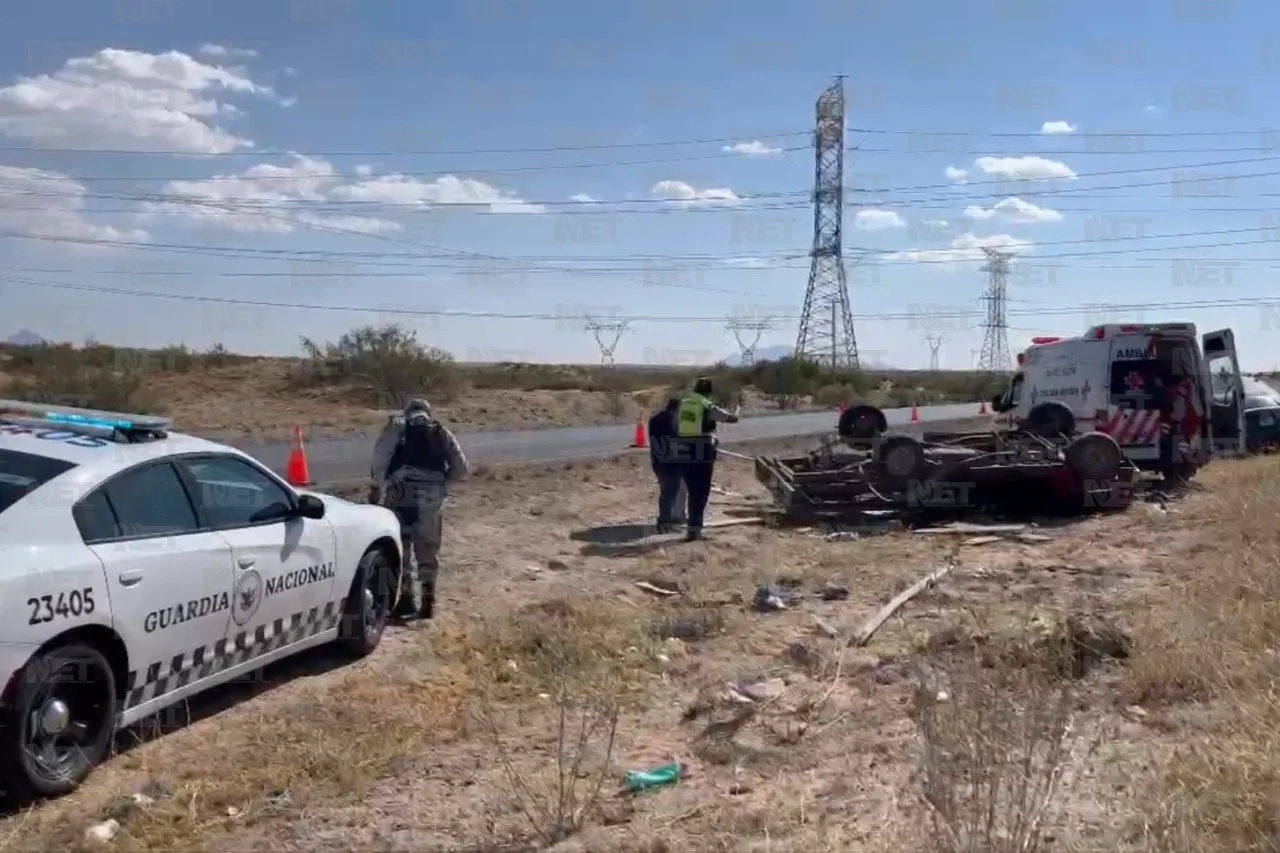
(1107, 690)
(349, 385)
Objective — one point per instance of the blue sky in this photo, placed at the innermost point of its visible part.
(396, 111)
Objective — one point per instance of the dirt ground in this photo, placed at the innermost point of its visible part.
(1102, 685)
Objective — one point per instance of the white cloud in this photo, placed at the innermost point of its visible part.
(957, 175)
(1153, 109)
(581, 198)
(1014, 209)
(936, 223)
(754, 148)
(685, 195)
(221, 52)
(964, 248)
(445, 191)
(1057, 128)
(280, 199)
(128, 99)
(49, 204)
(1029, 168)
(871, 219)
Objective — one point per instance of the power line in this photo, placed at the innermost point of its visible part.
(1174, 134)
(439, 173)
(714, 140)
(566, 313)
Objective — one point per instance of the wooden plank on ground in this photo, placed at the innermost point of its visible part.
(873, 624)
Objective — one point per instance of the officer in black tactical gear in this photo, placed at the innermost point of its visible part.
(414, 460)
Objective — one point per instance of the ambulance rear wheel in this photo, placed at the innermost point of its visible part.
(1051, 419)
(1094, 456)
(861, 423)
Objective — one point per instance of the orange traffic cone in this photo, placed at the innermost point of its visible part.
(915, 415)
(639, 440)
(296, 470)
(982, 409)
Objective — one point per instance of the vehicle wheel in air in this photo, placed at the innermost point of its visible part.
(861, 423)
(60, 723)
(1050, 419)
(1094, 456)
(900, 458)
(368, 606)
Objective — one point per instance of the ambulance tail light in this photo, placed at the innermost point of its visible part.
(1130, 328)
(1099, 333)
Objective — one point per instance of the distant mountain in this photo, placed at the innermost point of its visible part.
(25, 338)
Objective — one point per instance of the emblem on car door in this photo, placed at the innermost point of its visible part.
(247, 597)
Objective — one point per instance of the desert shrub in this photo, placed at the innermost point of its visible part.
(386, 364)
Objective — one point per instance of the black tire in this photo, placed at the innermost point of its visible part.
(368, 606)
(1049, 420)
(862, 423)
(1094, 456)
(900, 459)
(81, 680)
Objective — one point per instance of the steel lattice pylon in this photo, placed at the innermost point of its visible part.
(826, 323)
(995, 342)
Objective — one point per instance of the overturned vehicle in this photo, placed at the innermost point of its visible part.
(1040, 466)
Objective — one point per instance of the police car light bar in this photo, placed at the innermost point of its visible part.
(82, 417)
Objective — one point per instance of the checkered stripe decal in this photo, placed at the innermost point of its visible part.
(164, 676)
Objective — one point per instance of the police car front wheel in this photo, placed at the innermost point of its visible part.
(60, 722)
(368, 604)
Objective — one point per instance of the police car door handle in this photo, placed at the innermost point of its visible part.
(130, 578)
(246, 562)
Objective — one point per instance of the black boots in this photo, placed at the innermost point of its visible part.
(428, 604)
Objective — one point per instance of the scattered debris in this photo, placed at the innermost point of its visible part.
(656, 777)
(824, 626)
(734, 522)
(102, 833)
(864, 634)
(656, 590)
(958, 527)
(981, 540)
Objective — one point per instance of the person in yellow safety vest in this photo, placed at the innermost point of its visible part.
(696, 421)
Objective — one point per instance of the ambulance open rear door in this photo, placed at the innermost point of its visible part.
(1226, 394)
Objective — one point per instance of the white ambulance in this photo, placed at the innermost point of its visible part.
(1167, 397)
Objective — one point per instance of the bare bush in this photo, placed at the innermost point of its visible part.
(387, 364)
(581, 660)
(996, 734)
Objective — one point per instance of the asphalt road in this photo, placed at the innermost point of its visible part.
(338, 459)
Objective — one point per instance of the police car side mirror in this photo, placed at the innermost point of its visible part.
(310, 506)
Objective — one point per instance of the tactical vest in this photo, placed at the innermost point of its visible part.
(422, 446)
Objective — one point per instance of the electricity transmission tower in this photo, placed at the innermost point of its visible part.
(935, 343)
(826, 323)
(741, 329)
(602, 332)
(995, 341)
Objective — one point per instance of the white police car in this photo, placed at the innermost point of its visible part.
(140, 566)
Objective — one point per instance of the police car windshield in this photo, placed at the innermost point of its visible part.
(23, 473)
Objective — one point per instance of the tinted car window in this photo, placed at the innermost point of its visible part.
(96, 519)
(151, 501)
(23, 473)
(233, 493)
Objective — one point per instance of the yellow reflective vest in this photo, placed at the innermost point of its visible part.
(691, 415)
